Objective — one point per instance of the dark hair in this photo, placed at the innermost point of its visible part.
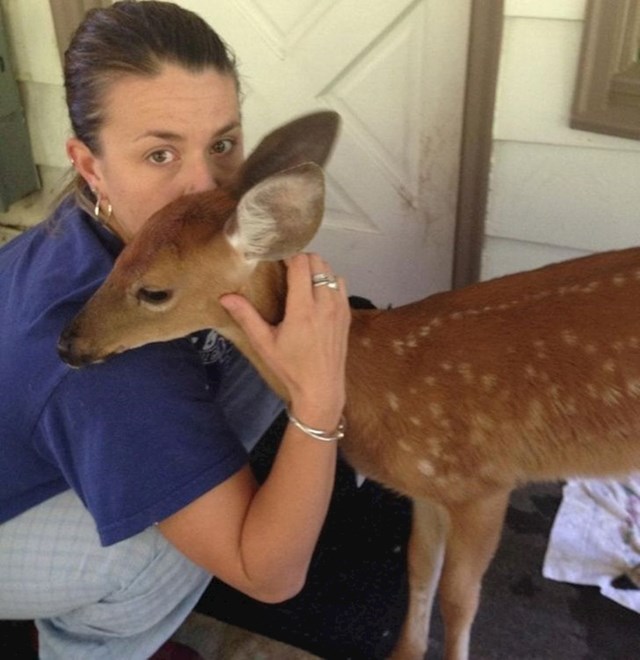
(136, 38)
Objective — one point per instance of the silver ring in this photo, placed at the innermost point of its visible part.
(324, 279)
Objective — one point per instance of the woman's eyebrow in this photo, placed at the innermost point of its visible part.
(170, 136)
(161, 135)
(231, 126)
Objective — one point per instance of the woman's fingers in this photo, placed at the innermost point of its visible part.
(311, 278)
(259, 332)
(307, 350)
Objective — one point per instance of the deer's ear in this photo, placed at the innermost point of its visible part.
(279, 215)
(308, 139)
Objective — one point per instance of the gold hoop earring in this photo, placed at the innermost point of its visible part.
(97, 210)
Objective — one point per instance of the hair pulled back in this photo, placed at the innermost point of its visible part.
(132, 38)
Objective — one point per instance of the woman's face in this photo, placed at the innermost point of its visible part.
(162, 137)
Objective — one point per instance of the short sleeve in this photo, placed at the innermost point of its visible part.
(139, 436)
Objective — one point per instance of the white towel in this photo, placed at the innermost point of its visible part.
(596, 537)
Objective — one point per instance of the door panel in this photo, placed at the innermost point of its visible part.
(395, 72)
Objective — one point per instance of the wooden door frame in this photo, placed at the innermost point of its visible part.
(485, 45)
(67, 15)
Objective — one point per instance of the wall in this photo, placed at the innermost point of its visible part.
(554, 192)
(38, 69)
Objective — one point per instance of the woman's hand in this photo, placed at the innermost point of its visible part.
(307, 351)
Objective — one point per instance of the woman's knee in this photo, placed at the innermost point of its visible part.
(155, 580)
(162, 588)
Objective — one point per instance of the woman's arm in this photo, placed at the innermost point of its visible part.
(260, 539)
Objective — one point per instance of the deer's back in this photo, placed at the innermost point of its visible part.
(532, 376)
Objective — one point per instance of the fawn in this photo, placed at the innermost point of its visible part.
(453, 400)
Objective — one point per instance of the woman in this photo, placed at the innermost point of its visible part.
(125, 486)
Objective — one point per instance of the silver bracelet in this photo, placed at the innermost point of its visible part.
(318, 434)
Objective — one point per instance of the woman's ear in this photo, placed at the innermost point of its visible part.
(84, 162)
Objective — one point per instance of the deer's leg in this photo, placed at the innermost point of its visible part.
(424, 562)
(474, 534)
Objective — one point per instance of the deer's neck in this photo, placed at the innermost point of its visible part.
(267, 292)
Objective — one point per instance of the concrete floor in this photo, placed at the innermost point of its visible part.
(215, 640)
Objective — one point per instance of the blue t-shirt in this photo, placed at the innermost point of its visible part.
(137, 437)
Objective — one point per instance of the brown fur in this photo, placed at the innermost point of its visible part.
(452, 401)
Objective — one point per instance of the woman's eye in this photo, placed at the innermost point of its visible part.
(153, 296)
(161, 157)
(222, 146)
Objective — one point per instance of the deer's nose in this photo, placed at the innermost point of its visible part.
(67, 350)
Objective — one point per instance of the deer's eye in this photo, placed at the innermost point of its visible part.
(153, 296)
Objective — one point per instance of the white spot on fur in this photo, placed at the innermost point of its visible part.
(535, 419)
(416, 421)
(444, 424)
(397, 346)
(541, 295)
(366, 342)
(436, 410)
(489, 471)
(489, 381)
(393, 401)
(424, 331)
(612, 396)
(569, 337)
(484, 421)
(405, 446)
(435, 448)
(619, 280)
(451, 484)
(430, 380)
(609, 366)
(553, 391)
(540, 346)
(563, 406)
(465, 370)
(426, 468)
(633, 387)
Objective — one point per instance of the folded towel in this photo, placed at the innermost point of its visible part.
(595, 539)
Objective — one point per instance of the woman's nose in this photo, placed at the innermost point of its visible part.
(200, 177)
